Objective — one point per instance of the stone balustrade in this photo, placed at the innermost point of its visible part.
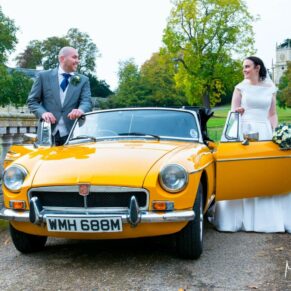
(12, 128)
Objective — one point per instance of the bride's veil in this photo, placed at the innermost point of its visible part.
(268, 82)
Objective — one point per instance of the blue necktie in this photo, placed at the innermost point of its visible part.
(65, 81)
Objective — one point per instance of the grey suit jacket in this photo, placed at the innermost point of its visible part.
(45, 97)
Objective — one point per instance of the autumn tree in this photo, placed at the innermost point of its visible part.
(203, 37)
(32, 56)
(157, 76)
(151, 85)
(284, 93)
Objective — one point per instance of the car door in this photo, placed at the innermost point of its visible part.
(246, 167)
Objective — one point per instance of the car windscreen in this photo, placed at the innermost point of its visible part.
(169, 124)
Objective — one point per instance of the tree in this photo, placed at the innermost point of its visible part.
(157, 76)
(46, 52)
(86, 48)
(99, 88)
(203, 36)
(230, 75)
(8, 38)
(151, 85)
(130, 92)
(4, 86)
(284, 93)
(19, 89)
(50, 51)
(32, 55)
(14, 87)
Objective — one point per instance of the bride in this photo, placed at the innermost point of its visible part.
(255, 99)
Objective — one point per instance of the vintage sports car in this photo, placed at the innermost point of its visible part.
(134, 172)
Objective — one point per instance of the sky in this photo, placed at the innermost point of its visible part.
(124, 29)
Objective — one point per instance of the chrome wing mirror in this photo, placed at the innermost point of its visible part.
(251, 136)
(44, 134)
(29, 138)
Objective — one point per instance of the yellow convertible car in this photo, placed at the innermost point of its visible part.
(134, 172)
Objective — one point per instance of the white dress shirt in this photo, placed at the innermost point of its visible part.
(61, 127)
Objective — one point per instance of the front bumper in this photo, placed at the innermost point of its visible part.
(145, 216)
(133, 215)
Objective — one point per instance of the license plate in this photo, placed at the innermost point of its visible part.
(82, 224)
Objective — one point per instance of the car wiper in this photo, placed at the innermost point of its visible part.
(139, 134)
(84, 136)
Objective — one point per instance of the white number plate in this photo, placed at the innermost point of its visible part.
(84, 224)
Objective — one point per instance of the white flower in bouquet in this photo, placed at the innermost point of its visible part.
(282, 136)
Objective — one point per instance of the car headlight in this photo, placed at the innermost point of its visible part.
(173, 178)
(13, 177)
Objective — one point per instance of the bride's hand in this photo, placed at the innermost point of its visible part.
(240, 110)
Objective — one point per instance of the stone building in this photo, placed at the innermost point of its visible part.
(283, 55)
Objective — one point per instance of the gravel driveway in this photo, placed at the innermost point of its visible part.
(231, 261)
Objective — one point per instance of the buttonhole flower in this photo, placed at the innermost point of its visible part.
(75, 80)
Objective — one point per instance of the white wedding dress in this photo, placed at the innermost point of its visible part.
(262, 214)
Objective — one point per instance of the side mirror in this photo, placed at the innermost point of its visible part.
(252, 136)
(44, 134)
(29, 138)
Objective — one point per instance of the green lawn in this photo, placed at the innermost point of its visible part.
(216, 123)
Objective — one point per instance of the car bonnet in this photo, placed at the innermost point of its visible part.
(107, 163)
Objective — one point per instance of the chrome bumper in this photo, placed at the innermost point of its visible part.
(134, 215)
(145, 216)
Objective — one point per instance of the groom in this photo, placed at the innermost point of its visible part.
(59, 96)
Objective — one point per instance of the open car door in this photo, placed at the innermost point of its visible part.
(246, 167)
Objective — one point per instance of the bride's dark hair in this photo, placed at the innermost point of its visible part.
(257, 61)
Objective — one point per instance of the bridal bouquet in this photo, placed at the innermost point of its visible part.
(282, 136)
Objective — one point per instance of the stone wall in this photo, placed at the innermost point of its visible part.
(13, 126)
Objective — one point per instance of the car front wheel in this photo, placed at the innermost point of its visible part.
(27, 243)
(190, 238)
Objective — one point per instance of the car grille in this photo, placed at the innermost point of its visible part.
(105, 199)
